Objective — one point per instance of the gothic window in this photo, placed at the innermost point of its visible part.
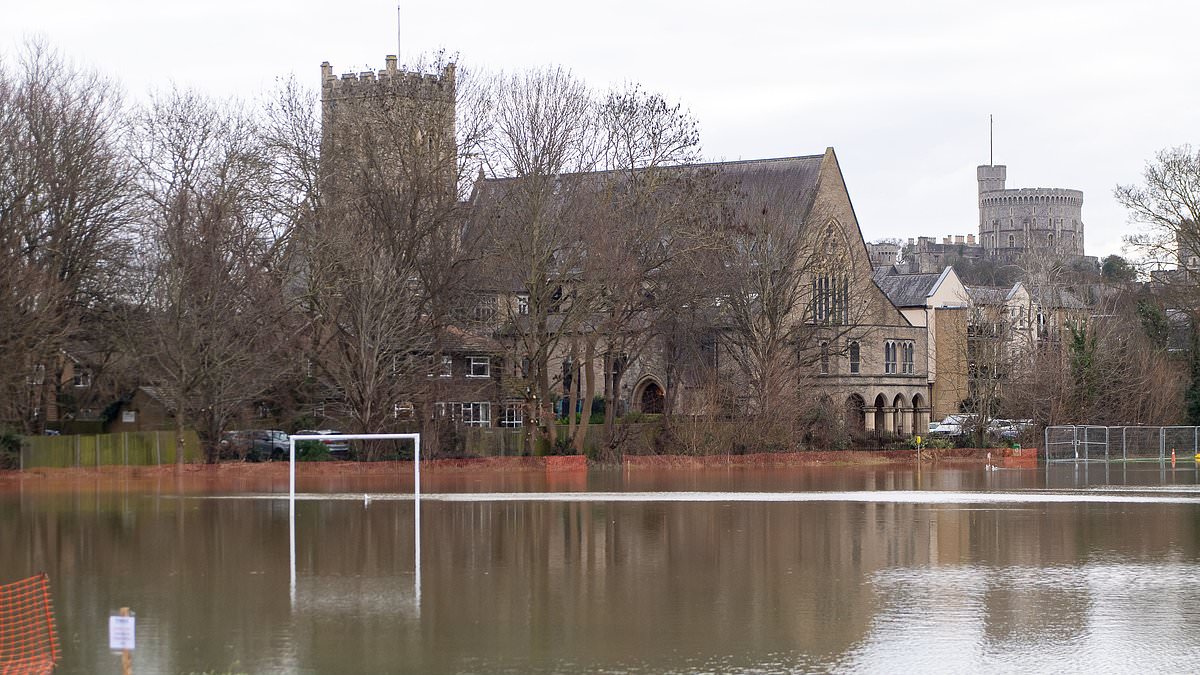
(824, 358)
(889, 356)
(831, 299)
(1050, 240)
(1012, 241)
(907, 350)
(855, 357)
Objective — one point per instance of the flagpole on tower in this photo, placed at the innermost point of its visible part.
(991, 141)
(398, 30)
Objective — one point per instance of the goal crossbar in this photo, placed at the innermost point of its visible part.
(415, 438)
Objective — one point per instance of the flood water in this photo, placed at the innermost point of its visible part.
(860, 569)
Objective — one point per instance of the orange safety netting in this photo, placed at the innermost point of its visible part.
(28, 639)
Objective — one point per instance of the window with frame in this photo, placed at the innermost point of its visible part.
(907, 361)
(831, 298)
(81, 378)
(855, 357)
(37, 375)
(403, 410)
(477, 414)
(889, 356)
(481, 366)
(512, 415)
(447, 366)
(523, 304)
(824, 358)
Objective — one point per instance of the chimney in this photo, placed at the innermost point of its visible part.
(958, 239)
(946, 240)
(390, 59)
(971, 239)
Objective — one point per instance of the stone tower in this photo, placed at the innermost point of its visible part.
(1013, 221)
(393, 125)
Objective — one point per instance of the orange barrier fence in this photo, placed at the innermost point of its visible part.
(28, 639)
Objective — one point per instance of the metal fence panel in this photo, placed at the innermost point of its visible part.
(1081, 443)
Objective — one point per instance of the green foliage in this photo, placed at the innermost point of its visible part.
(10, 450)
(1085, 375)
(312, 451)
(1116, 268)
(932, 442)
(1154, 322)
(1193, 391)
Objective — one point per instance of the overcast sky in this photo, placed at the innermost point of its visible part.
(1083, 92)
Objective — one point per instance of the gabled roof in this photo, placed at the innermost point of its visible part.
(908, 290)
(988, 296)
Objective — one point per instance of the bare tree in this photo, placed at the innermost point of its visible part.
(1167, 205)
(65, 207)
(543, 139)
(653, 217)
(212, 320)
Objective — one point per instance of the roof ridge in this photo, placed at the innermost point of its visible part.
(734, 162)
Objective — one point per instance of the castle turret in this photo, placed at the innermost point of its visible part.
(991, 177)
(1014, 221)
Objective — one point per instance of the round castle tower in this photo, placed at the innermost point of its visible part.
(1013, 221)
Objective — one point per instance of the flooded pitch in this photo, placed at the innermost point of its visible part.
(859, 569)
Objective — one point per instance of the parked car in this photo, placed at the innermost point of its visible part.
(255, 445)
(954, 425)
(1014, 428)
(335, 447)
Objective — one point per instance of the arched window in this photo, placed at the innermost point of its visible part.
(1050, 240)
(1012, 241)
(855, 357)
(889, 356)
(831, 299)
(824, 358)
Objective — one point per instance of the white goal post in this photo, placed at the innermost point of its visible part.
(415, 438)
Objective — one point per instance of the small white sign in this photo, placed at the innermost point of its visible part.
(128, 416)
(120, 632)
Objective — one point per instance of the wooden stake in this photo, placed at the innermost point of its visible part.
(126, 657)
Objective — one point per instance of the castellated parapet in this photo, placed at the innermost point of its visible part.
(391, 81)
(1014, 221)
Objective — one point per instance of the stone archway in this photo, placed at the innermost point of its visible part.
(855, 414)
(920, 415)
(882, 418)
(649, 397)
(902, 424)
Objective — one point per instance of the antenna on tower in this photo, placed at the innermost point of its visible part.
(991, 143)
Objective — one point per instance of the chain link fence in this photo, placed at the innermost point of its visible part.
(1087, 443)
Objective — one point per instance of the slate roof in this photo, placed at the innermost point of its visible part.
(988, 296)
(907, 290)
(1059, 298)
(786, 182)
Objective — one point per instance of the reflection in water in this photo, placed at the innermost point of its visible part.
(852, 583)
